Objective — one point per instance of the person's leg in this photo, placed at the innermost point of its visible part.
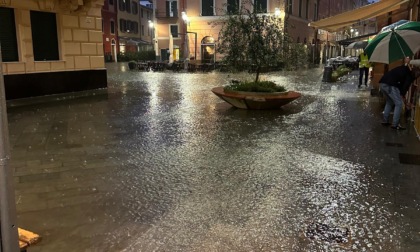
(396, 98)
(366, 75)
(360, 76)
(385, 89)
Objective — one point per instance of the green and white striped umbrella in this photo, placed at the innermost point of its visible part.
(394, 43)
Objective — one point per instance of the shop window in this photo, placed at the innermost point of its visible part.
(44, 36)
(8, 39)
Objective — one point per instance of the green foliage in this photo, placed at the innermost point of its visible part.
(252, 86)
(339, 72)
(136, 56)
(252, 38)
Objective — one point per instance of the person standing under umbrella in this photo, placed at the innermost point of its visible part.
(363, 68)
(394, 85)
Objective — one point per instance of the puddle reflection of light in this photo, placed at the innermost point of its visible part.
(124, 88)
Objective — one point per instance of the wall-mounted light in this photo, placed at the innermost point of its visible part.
(277, 12)
(185, 17)
(151, 24)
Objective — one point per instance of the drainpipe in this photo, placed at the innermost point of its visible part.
(9, 233)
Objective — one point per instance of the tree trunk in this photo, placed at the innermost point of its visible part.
(257, 77)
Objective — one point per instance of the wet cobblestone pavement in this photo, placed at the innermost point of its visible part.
(158, 163)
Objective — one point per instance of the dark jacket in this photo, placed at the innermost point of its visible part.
(400, 77)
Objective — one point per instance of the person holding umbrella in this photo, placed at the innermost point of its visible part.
(394, 85)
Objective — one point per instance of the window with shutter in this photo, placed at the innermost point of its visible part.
(174, 31)
(123, 25)
(8, 41)
(44, 36)
(135, 7)
(121, 4)
(171, 8)
(112, 27)
(232, 6)
(207, 8)
(261, 6)
(128, 6)
(289, 6)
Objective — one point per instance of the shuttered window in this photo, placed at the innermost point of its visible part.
(171, 8)
(44, 36)
(232, 6)
(121, 4)
(112, 24)
(174, 31)
(8, 39)
(207, 8)
(261, 6)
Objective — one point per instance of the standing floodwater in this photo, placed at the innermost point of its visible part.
(158, 163)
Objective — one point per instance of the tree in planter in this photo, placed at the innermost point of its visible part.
(257, 40)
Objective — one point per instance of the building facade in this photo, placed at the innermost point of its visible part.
(190, 24)
(110, 30)
(146, 27)
(128, 26)
(51, 46)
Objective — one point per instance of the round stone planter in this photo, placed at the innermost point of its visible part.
(256, 100)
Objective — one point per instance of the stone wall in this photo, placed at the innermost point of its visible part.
(80, 42)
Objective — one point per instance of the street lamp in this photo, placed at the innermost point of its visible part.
(187, 22)
(151, 27)
(185, 17)
(277, 12)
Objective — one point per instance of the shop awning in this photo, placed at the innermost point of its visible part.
(348, 18)
(132, 41)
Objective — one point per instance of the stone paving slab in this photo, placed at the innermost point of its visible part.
(157, 163)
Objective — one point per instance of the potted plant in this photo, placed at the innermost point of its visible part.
(132, 65)
(255, 41)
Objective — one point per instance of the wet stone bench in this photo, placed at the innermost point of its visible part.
(27, 239)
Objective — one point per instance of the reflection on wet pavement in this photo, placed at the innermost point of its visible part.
(159, 163)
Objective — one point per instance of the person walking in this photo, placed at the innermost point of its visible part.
(394, 85)
(363, 68)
